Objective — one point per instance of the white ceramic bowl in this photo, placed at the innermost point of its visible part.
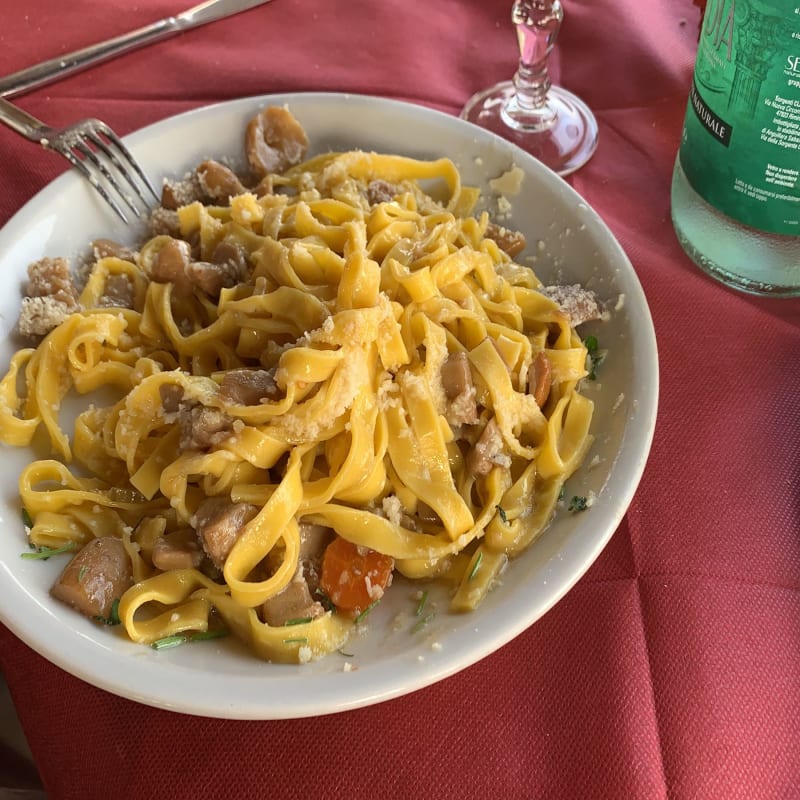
(219, 678)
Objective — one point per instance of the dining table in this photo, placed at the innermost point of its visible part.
(671, 669)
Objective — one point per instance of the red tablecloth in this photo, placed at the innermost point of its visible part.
(673, 668)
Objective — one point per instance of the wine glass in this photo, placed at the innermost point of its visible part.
(548, 121)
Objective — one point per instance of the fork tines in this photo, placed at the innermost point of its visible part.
(116, 177)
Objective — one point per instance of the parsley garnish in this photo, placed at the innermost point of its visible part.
(113, 615)
(297, 621)
(578, 503)
(476, 566)
(421, 623)
(595, 356)
(169, 641)
(298, 640)
(43, 553)
(81, 573)
(366, 611)
(346, 655)
(502, 513)
(183, 638)
(26, 518)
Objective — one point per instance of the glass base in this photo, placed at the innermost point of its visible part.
(563, 136)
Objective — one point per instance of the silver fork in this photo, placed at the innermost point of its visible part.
(96, 152)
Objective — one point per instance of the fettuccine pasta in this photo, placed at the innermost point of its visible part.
(344, 353)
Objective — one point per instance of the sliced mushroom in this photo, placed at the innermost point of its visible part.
(119, 292)
(98, 575)
(170, 263)
(459, 389)
(313, 541)
(219, 523)
(487, 450)
(292, 604)
(248, 387)
(171, 395)
(227, 268)
(175, 194)
(380, 191)
(540, 378)
(231, 253)
(212, 278)
(202, 427)
(427, 514)
(274, 141)
(176, 551)
(218, 182)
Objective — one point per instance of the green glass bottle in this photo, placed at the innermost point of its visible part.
(736, 184)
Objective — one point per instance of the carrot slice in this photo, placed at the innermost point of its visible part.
(354, 577)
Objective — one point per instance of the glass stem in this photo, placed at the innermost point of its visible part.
(537, 23)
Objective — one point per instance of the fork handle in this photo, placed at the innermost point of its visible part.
(23, 122)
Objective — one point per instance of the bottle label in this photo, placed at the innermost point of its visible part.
(740, 148)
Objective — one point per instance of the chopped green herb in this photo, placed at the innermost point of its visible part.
(578, 503)
(562, 492)
(113, 615)
(26, 518)
(183, 638)
(595, 356)
(346, 655)
(421, 623)
(43, 553)
(476, 566)
(502, 514)
(423, 600)
(366, 611)
(297, 621)
(298, 640)
(169, 641)
(81, 573)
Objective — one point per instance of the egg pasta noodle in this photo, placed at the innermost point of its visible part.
(355, 307)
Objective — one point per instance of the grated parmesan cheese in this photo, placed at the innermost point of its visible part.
(393, 509)
(510, 182)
